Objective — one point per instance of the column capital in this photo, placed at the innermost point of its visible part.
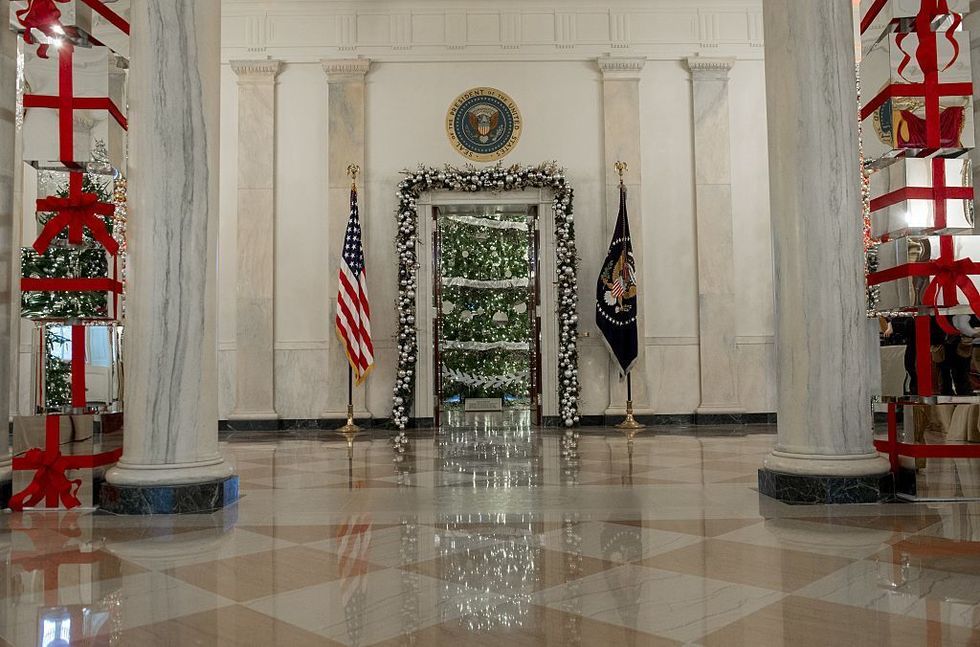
(710, 69)
(340, 70)
(616, 68)
(258, 71)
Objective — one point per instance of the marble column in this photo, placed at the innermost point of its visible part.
(255, 282)
(972, 24)
(716, 247)
(621, 142)
(171, 461)
(8, 92)
(346, 123)
(824, 450)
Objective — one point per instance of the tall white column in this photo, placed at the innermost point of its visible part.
(8, 92)
(823, 390)
(716, 246)
(621, 142)
(972, 24)
(346, 123)
(255, 282)
(171, 434)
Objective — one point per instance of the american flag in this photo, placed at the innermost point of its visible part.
(353, 313)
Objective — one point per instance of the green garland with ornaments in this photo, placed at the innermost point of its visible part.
(472, 268)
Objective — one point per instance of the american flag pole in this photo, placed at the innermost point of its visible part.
(350, 428)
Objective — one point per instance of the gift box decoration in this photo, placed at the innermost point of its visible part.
(917, 96)
(77, 367)
(879, 17)
(67, 284)
(42, 21)
(73, 110)
(929, 273)
(54, 461)
(921, 197)
(71, 215)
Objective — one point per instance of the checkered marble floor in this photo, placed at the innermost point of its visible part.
(485, 536)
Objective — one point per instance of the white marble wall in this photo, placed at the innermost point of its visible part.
(622, 126)
(824, 393)
(717, 317)
(256, 240)
(346, 124)
(972, 24)
(171, 353)
(8, 85)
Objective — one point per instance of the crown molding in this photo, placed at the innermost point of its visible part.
(710, 69)
(346, 69)
(300, 31)
(256, 71)
(620, 68)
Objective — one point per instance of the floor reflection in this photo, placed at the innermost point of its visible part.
(484, 535)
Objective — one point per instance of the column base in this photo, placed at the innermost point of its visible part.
(189, 498)
(802, 489)
(253, 415)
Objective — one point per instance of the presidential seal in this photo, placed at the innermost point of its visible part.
(483, 124)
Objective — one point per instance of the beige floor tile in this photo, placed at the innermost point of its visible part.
(232, 626)
(674, 605)
(262, 574)
(699, 527)
(802, 622)
(935, 553)
(771, 568)
(538, 627)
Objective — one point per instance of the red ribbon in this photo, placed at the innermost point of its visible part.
(50, 483)
(927, 55)
(44, 15)
(70, 285)
(78, 391)
(948, 274)
(923, 357)
(75, 212)
(942, 9)
(66, 103)
(938, 193)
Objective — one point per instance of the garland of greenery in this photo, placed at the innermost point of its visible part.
(470, 179)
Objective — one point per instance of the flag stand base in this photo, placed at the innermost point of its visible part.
(629, 422)
(350, 427)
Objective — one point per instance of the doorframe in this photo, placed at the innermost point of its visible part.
(542, 199)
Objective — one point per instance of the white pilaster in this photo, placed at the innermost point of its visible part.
(255, 280)
(8, 93)
(621, 137)
(823, 382)
(716, 248)
(971, 23)
(346, 123)
(171, 351)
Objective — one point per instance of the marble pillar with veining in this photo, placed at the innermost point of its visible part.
(346, 123)
(255, 280)
(823, 381)
(971, 23)
(621, 142)
(716, 247)
(171, 434)
(8, 94)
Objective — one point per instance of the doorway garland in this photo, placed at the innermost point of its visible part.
(495, 179)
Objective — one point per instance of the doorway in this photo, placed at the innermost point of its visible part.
(486, 328)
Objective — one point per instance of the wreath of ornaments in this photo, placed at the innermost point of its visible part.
(471, 179)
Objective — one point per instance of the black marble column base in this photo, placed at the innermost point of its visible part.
(191, 498)
(803, 489)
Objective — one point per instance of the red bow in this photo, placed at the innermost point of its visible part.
(42, 15)
(50, 483)
(950, 274)
(75, 212)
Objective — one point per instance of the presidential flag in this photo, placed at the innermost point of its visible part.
(353, 313)
(615, 308)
